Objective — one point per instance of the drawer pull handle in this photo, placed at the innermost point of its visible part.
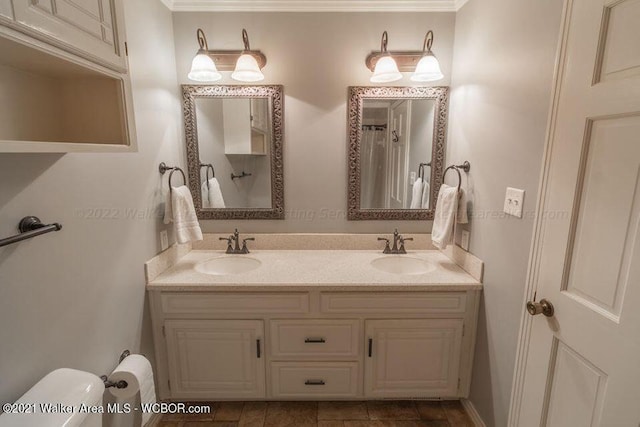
(370, 346)
(258, 348)
(315, 340)
(314, 382)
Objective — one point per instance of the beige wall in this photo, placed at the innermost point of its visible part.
(316, 56)
(19, 92)
(503, 67)
(76, 298)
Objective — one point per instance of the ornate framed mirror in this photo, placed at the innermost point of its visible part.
(234, 137)
(396, 151)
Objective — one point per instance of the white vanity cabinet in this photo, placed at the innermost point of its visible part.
(213, 359)
(313, 343)
(412, 357)
(92, 29)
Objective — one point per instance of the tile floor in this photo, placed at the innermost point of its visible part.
(326, 414)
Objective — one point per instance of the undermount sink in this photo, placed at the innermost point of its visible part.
(402, 265)
(225, 265)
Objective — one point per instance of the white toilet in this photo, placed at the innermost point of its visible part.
(60, 390)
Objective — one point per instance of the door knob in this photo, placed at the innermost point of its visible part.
(543, 307)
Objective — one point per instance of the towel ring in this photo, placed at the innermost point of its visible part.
(421, 170)
(163, 168)
(209, 167)
(466, 166)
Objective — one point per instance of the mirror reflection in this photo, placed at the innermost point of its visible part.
(234, 145)
(234, 136)
(395, 153)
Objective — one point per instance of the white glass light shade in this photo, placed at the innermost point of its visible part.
(427, 70)
(247, 69)
(386, 70)
(203, 69)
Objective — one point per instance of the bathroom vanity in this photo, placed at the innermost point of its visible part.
(314, 324)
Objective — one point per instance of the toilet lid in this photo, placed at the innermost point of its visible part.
(61, 398)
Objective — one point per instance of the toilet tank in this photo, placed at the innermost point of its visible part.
(58, 398)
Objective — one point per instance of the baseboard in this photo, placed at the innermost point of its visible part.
(473, 414)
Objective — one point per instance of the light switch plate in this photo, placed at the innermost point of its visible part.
(164, 240)
(513, 202)
(464, 240)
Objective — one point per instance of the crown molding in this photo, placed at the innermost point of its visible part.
(459, 4)
(314, 5)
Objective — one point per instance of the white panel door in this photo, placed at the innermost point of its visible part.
(581, 367)
(412, 358)
(90, 28)
(216, 358)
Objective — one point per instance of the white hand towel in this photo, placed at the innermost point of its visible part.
(416, 194)
(445, 216)
(462, 217)
(204, 193)
(426, 194)
(179, 210)
(216, 200)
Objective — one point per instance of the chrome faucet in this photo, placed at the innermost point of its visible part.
(233, 243)
(397, 238)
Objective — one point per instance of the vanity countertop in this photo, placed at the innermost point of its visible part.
(344, 270)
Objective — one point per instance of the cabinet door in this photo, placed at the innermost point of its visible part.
(260, 114)
(412, 358)
(236, 116)
(216, 358)
(93, 29)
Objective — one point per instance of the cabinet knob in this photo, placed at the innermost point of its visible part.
(315, 340)
(314, 382)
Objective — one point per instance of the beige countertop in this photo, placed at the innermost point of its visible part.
(344, 270)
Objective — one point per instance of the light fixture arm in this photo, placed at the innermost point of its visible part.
(428, 42)
(245, 40)
(383, 42)
(202, 40)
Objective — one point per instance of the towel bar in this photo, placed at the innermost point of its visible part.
(421, 170)
(466, 167)
(30, 226)
(163, 168)
(209, 167)
(242, 175)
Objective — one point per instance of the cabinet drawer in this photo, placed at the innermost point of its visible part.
(324, 339)
(232, 303)
(393, 302)
(314, 379)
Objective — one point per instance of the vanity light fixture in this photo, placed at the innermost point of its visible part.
(386, 69)
(428, 68)
(203, 69)
(245, 64)
(247, 68)
(387, 66)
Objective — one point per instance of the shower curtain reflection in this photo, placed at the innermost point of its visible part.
(374, 151)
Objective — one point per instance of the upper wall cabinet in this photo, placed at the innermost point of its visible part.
(63, 77)
(92, 29)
